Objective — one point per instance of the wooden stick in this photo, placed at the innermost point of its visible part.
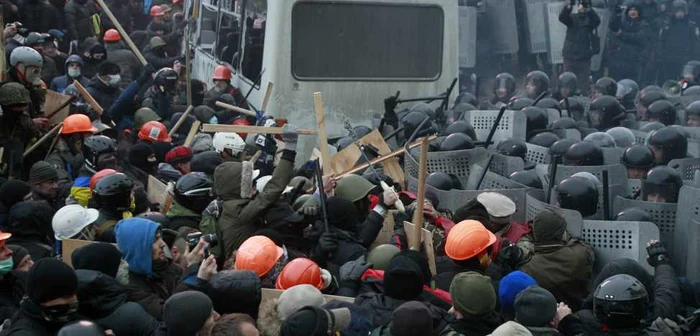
(181, 121)
(268, 95)
(322, 136)
(255, 157)
(123, 33)
(418, 213)
(88, 98)
(193, 131)
(211, 128)
(236, 109)
(383, 158)
(43, 139)
(53, 144)
(61, 107)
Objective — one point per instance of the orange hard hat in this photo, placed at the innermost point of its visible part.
(221, 72)
(300, 271)
(467, 239)
(154, 131)
(157, 11)
(99, 175)
(4, 235)
(77, 123)
(112, 35)
(242, 122)
(258, 254)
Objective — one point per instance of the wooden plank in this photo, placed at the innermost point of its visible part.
(418, 213)
(54, 100)
(88, 98)
(427, 242)
(43, 139)
(268, 95)
(193, 131)
(181, 120)
(347, 158)
(236, 109)
(271, 294)
(383, 158)
(212, 128)
(123, 33)
(157, 190)
(322, 135)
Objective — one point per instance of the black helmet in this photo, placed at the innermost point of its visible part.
(560, 147)
(564, 123)
(96, 146)
(544, 139)
(668, 143)
(691, 73)
(578, 193)
(692, 91)
(81, 328)
(461, 108)
(549, 103)
(620, 302)
(361, 131)
(605, 86)
(575, 108)
(344, 142)
(166, 78)
(662, 111)
(584, 153)
(504, 83)
(627, 90)
(568, 81)
(527, 178)
(536, 82)
(440, 180)
(663, 181)
(512, 147)
(461, 126)
(693, 108)
(157, 217)
(652, 126)
(425, 109)
(412, 120)
(638, 156)
(646, 98)
(537, 119)
(466, 98)
(518, 104)
(604, 140)
(194, 191)
(634, 215)
(113, 192)
(606, 112)
(457, 141)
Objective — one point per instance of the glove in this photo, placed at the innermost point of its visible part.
(328, 242)
(353, 270)
(657, 254)
(290, 134)
(327, 278)
(388, 198)
(308, 211)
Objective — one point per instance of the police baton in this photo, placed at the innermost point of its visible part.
(552, 178)
(321, 193)
(492, 131)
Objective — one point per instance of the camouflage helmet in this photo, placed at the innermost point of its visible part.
(300, 201)
(353, 187)
(381, 255)
(13, 94)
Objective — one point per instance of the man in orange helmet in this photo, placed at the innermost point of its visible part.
(67, 156)
(222, 85)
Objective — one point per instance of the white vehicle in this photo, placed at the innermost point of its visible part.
(355, 52)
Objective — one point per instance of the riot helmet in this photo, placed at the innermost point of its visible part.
(564, 123)
(440, 181)
(575, 108)
(662, 185)
(549, 103)
(584, 153)
(620, 302)
(411, 121)
(100, 153)
(578, 193)
(662, 111)
(560, 147)
(527, 178)
(194, 191)
(544, 139)
(113, 192)
(668, 143)
(461, 126)
(537, 119)
(638, 157)
(652, 126)
(606, 112)
(504, 87)
(512, 147)
(344, 142)
(692, 91)
(693, 114)
(605, 86)
(425, 109)
(627, 90)
(601, 139)
(518, 104)
(646, 98)
(634, 215)
(567, 84)
(691, 74)
(536, 82)
(456, 141)
(622, 135)
(466, 98)
(361, 131)
(460, 109)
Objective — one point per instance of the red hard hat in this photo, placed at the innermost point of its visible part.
(300, 271)
(112, 35)
(157, 11)
(221, 72)
(242, 122)
(77, 123)
(154, 131)
(99, 175)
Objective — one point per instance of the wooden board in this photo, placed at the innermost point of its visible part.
(157, 191)
(322, 136)
(193, 131)
(384, 236)
(68, 246)
(271, 294)
(53, 101)
(427, 238)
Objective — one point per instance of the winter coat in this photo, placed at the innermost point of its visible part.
(349, 249)
(236, 292)
(577, 45)
(105, 224)
(473, 326)
(181, 217)
(104, 94)
(167, 173)
(149, 286)
(29, 322)
(241, 212)
(212, 95)
(382, 306)
(129, 65)
(12, 289)
(66, 163)
(78, 20)
(678, 41)
(30, 226)
(633, 40)
(16, 134)
(59, 84)
(159, 59)
(104, 301)
(447, 269)
(38, 16)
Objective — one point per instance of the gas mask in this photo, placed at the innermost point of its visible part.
(29, 74)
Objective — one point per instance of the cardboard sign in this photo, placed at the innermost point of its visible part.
(68, 246)
(157, 191)
(427, 238)
(53, 101)
(348, 157)
(384, 236)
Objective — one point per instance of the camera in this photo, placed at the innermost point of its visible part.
(193, 239)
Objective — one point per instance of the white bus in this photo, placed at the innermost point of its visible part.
(355, 52)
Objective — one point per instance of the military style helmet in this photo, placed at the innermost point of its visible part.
(194, 191)
(620, 302)
(638, 156)
(544, 139)
(606, 86)
(584, 153)
(381, 255)
(664, 181)
(13, 94)
(578, 193)
(662, 111)
(353, 188)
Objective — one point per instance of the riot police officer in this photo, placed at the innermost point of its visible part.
(627, 90)
(668, 143)
(560, 147)
(537, 119)
(503, 90)
(622, 135)
(690, 75)
(604, 86)
(584, 153)
(442, 181)
(578, 193)
(661, 185)
(567, 86)
(647, 97)
(606, 112)
(536, 82)
(662, 111)
(527, 178)
(601, 139)
(638, 159)
(463, 127)
(692, 112)
(544, 139)
(456, 141)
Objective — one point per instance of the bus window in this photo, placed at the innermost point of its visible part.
(399, 42)
(256, 11)
(207, 30)
(229, 36)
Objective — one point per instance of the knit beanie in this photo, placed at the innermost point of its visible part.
(185, 313)
(98, 256)
(138, 156)
(18, 253)
(511, 285)
(511, 328)
(535, 307)
(342, 214)
(50, 279)
(403, 279)
(206, 162)
(411, 318)
(178, 154)
(13, 192)
(473, 294)
(422, 262)
(42, 171)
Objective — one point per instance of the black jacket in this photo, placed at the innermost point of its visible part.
(104, 301)
(78, 21)
(577, 45)
(678, 41)
(30, 225)
(38, 16)
(104, 94)
(12, 289)
(382, 307)
(473, 326)
(29, 322)
(629, 46)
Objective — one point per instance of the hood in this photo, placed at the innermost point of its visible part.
(203, 113)
(73, 59)
(177, 210)
(403, 278)
(235, 291)
(206, 162)
(268, 320)
(234, 180)
(31, 218)
(135, 238)
(202, 142)
(548, 227)
(186, 125)
(634, 4)
(473, 210)
(99, 295)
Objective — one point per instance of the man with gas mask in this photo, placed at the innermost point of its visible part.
(679, 40)
(578, 44)
(25, 68)
(222, 85)
(67, 156)
(74, 66)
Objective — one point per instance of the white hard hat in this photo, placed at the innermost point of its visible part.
(71, 219)
(26, 56)
(232, 141)
(262, 182)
